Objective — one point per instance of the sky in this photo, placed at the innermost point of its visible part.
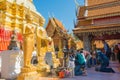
(63, 10)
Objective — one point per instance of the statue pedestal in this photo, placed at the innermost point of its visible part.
(28, 76)
(42, 67)
(11, 63)
(28, 73)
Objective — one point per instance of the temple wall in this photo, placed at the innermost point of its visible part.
(109, 20)
(84, 23)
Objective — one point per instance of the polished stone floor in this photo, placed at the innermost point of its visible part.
(93, 75)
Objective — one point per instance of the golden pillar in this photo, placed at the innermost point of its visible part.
(60, 53)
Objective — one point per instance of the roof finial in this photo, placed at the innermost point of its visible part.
(49, 14)
(77, 4)
(53, 15)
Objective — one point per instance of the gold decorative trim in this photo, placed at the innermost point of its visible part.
(17, 12)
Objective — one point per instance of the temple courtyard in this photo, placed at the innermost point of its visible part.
(93, 75)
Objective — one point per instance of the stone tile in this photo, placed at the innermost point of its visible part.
(47, 78)
(93, 75)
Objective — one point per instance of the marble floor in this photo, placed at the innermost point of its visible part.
(93, 75)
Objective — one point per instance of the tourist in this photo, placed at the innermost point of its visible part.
(80, 63)
(107, 49)
(93, 60)
(71, 63)
(115, 50)
(104, 63)
(112, 53)
(87, 57)
(118, 52)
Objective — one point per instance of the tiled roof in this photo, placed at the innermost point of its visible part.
(103, 11)
(99, 10)
(54, 26)
(96, 2)
(59, 24)
(95, 18)
(81, 11)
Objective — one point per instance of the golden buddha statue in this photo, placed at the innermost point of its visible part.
(42, 67)
(29, 40)
(28, 72)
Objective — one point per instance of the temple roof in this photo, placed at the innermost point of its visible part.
(59, 24)
(99, 9)
(98, 17)
(93, 29)
(81, 12)
(97, 2)
(104, 11)
(55, 25)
